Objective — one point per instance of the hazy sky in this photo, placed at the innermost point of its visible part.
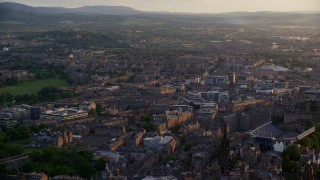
(203, 6)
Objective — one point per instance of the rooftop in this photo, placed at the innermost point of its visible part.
(273, 68)
(267, 130)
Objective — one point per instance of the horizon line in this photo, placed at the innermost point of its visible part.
(163, 11)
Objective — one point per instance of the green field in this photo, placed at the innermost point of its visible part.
(33, 87)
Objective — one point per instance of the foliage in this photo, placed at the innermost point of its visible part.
(52, 94)
(92, 112)
(187, 162)
(54, 161)
(23, 132)
(13, 134)
(188, 146)
(291, 157)
(100, 164)
(306, 142)
(42, 126)
(290, 166)
(175, 130)
(148, 127)
(3, 169)
(168, 158)
(99, 109)
(293, 152)
(44, 95)
(290, 64)
(3, 137)
(145, 117)
(35, 129)
(10, 149)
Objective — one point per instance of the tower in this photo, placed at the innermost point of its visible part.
(224, 160)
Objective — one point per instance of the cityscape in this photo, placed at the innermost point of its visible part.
(117, 93)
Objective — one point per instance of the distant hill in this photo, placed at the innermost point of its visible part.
(7, 14)
(107, 10)
(15, 14)
(110, 10)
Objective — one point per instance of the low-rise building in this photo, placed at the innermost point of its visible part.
(86, 106)
(49, 138)
(216, 80)
(166, 143)
(168, 89)
(110, 130)
(62, 114)
(34, 176)
(207, 111)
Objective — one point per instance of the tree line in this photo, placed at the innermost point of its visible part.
(7, 148)
(54, 161)
(46, 94)
(292, 155)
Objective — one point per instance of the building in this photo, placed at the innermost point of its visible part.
(160, 178)
(233, 122)
(7, 120)
(34, 176)
(116, 143)
(134, 139)
(190, 128)
(114, 131)
(168, 89)
(273, 70)
(62, 114)
(35, 113)
(86, 106)
(166, 144)
(49, 138)
(279, 146)
(5, 49)
(193, 95)
(215, 96)
(275, 46)
(10, 117)
(207, 111)
(175, 118)
(217, 80)
(201, 137)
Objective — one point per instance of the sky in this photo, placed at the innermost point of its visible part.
(193, 6)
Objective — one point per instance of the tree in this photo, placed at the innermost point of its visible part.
(3, 137)
(35, 129)
(36, 156)
(100, 164)
(42, 126)
(4, 154)
(290, 166)
(13, 134)
(13, 149)
(293, 152)
(317, 134)
(28, 167)
(168, 158)
(145, 117)
(82, 166)
(188, 146)
(24, 132)
(85, 170)
(3, 169)
(99, 109)
(306, 142)
(92, 112)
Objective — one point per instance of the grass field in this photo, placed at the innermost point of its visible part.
(33, 87)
